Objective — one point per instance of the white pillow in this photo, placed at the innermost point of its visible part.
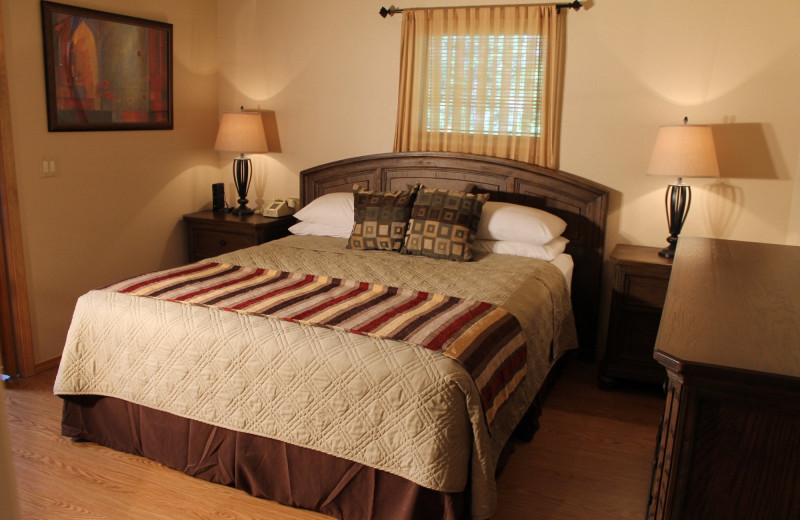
(320, 230)
(333, 209)
(505, 221)
(548, 251)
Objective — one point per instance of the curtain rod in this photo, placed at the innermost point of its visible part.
(392, 10)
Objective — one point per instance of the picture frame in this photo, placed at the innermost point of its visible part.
(106, 71)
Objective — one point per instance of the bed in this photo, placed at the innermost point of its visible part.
(353, 425)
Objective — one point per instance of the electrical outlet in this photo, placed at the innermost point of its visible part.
(48, 168)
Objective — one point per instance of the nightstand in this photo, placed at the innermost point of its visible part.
(641, 278)
(214, 233)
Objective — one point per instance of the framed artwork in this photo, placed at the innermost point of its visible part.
(106, 71)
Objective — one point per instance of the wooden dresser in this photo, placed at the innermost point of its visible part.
(729, 338)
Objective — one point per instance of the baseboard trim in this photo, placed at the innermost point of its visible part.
(50, 364)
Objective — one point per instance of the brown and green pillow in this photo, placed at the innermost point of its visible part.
(381, 218)
(443, 224)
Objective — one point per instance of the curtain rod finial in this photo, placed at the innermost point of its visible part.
(391, 11)
(572, 5)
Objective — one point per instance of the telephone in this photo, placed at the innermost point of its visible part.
(279, 208)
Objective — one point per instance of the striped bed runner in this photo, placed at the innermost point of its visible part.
(487, 340)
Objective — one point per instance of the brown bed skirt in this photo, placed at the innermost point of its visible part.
(266, 468)
(275, 470)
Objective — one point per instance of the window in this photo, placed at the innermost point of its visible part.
(483, 80)
(507, 103)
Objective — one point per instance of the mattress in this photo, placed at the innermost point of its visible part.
(565, 264)
(385, 404)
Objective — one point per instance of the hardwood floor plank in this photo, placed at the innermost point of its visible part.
(590, 460)
(592, 457)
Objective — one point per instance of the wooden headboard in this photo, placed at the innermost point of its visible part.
(581, 203)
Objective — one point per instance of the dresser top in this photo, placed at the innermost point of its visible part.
(734, 305)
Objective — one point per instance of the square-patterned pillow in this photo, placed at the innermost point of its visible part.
(443, 224)
(381, 218)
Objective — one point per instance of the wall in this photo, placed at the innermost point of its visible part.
(633, 66)
(330, 74)
(114, 209)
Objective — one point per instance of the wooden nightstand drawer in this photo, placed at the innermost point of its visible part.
(212, 243)
(645, 290)
(641, 278)
(214, 233)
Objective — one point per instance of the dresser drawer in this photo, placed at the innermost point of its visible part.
(211, 243)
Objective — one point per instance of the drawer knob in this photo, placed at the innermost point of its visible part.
(222, 242)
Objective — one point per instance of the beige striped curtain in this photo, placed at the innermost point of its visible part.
(484, 80)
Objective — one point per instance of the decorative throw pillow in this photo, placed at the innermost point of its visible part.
(381, 218)
(443, 224)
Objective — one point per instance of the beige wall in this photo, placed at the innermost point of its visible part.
(114, 209)
(634, 65)
(327, 70)
(330, 74)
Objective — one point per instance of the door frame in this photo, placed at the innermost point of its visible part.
(16, 310)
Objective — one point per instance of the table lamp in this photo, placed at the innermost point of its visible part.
(241, 132)
(682, 151)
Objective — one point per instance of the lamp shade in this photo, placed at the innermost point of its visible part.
(684, 151)
(241, 132)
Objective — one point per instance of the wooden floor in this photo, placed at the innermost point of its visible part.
(590, 460)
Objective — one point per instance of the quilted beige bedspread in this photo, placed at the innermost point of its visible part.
(387, 404)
